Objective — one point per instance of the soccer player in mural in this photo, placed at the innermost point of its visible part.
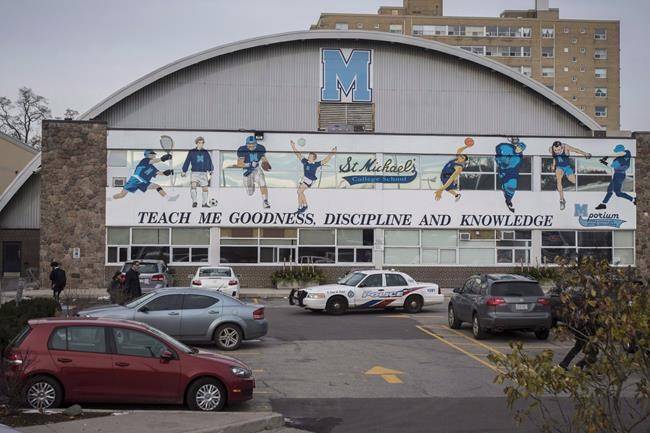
(199, 160)
(452, 170)
(144, 172)
(509, 157)
(252, 158)
(561, 165)
(620, 165)
(310, 167)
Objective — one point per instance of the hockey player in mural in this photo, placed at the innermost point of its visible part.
(251, 157)
(142, 176)
(310, 168)
(509, 157)
(620, 165)
(561, 165)
(450, 174)
(200, 162)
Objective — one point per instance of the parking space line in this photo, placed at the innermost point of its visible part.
(458, 348)
(479, 343)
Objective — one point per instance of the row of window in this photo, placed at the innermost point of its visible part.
(177, 245)
(245, 245)
(523, 51)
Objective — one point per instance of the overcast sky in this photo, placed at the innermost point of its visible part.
(77, 52)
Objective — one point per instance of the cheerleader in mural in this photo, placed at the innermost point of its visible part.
(509, 157)
(562, 166)
(452, 170)
(620, 164)
(310, 167)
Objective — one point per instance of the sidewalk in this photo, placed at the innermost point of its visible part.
(168, 422)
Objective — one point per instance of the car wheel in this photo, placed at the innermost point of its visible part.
(228, 337)
(477, 329)
(454, 323)
(336, 305)
(542, 334)
(42, 392)
(207, 395)
(413, 304)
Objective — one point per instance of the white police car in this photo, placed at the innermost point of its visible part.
(371, 289)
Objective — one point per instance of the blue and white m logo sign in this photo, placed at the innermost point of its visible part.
(346, 75)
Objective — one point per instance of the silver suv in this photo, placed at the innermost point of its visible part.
(154, 274)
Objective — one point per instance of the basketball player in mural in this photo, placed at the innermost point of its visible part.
(620, 165)
(252, 158)
(310, 167)
(199, 160)
(561, 165)
(451, 172)
(509, 157)
(142, 176)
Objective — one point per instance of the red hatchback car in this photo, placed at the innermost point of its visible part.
(119, 361)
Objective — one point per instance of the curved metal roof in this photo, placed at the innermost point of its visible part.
(342, 35)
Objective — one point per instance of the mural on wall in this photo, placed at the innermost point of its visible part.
(509, 157)
(251, 157)
(310, 169)
(144, 173)
(451, 172)
(561, 165)
(620, 165)
(199, 161)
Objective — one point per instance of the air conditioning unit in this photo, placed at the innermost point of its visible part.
(118, 182)
(464, 236)
(508, 235)
(359, 128)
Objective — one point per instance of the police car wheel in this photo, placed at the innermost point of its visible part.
(413, 304)
(336, 305)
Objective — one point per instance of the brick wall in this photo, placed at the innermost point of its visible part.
(73, 200)
(642, 168)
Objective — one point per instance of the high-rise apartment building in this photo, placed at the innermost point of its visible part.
(579, 59)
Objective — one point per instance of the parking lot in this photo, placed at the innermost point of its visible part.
(379, 371)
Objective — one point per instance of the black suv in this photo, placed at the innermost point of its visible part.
(498, 302)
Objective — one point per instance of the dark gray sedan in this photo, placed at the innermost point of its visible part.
(498, 302)
(192, 316)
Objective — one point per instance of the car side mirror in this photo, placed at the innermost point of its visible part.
(144, 309)
(167, 355)
(457, 290)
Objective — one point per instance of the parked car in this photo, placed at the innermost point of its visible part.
(371, 289)
(498, 302)
(154, 274)
(221, 278)
(82, 360)
(194, 316)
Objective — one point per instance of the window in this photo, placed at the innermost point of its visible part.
(582, 88)
(118, 240)
(514, 246)
(574, 98)
(616, 247)
(574, 78)
(474, 31)
(550, 87)
(183, 240)
(566, 88)
(582, 69)
(180, 245)
(198, 302)
(583, 31)
(395, 28)
(456, 30)
(548, 72)
(354, 245)
(601, 92)
(359, 25)
(583, 50)
(395, 280)
(566, 49)
(548, 33)
(574, 59)
(129, 342)
(478, 50)
(566, 69)
(374, 280)
(548, 52)
(341, 26)
(600, 54)
(600, 73)
(117, 158)
(491, 31)
(526, 70)
(590, 175)
(215, 272)
(601, 111)
(79, 339)
(600, 34)
(165, 303)
(427, 30)
(566, 30)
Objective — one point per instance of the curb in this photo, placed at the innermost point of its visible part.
(272, 421)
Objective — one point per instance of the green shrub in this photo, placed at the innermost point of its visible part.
(298, 273)
(538, 273)
(14, 317)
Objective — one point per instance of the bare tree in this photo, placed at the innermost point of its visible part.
(22, 118)
(70, 114)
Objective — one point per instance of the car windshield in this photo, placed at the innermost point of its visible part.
(145, 268)
(516, 288)
(137, 301)
(214, 272)
(352, 279)
(171, 340)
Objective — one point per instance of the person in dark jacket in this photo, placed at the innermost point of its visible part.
(116, 288)
(58, 279)
(199, 160)
(132, 282)
(582, 325)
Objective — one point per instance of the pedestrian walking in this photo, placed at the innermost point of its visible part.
(582, 326)
(116, 288)
(132, 282)
(57, 279)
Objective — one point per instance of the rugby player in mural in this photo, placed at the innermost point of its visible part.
(252, 158)
(561, 165)
(310, 167)
(620, 165)
(199, 160)
(452, 170)
(144, 172)
(509, 157)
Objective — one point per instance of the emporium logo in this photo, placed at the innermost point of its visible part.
(596, 219)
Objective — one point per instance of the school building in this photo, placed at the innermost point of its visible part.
(368, 150)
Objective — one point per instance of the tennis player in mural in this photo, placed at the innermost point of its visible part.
(142, 176)
(451, 172)
(310, 167)
(561, 165)
(620, 165)
(509, 157)
(252, 158)
(200, 162)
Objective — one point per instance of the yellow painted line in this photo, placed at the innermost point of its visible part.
(458, 348)
(474, 341)
(248, 353)
(260, 370)
(391, 378)
(262, 392)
